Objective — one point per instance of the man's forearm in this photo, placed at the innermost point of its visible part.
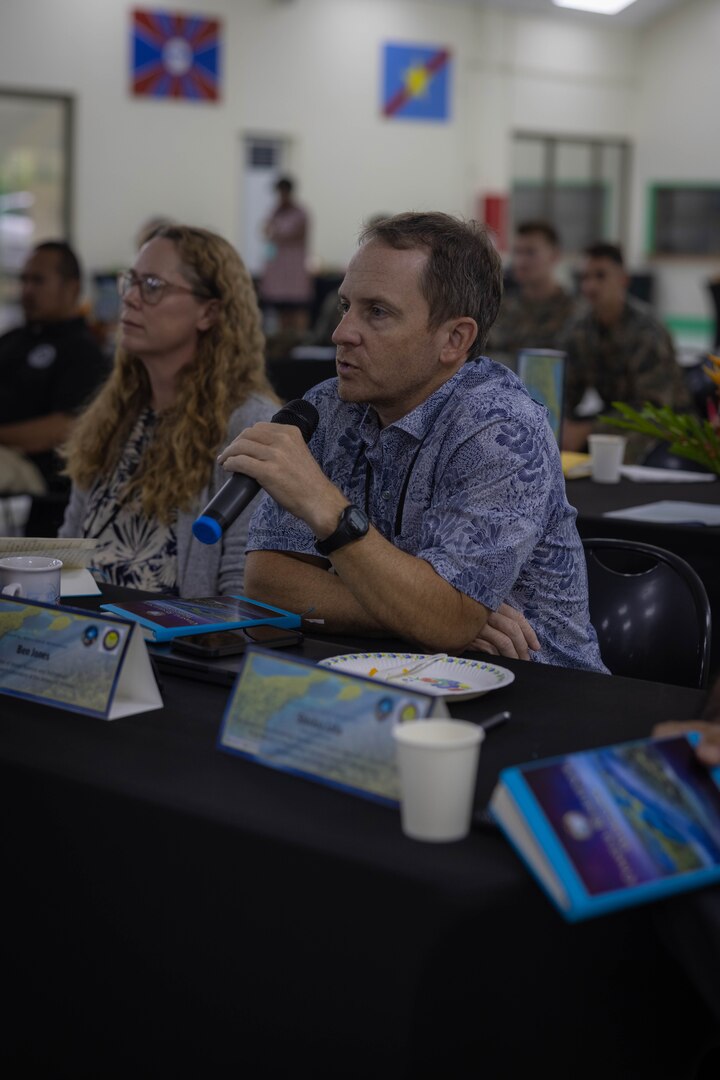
(407, 595)
(378, 589)
(291, 582)
(38, 435)
(388, 587)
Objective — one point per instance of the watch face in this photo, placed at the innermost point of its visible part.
(356, 521)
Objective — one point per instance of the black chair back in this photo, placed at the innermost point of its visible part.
(650, 611)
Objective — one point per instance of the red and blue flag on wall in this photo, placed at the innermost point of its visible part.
(175, 55)
(416, 82)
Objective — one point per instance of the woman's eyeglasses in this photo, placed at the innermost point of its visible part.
(152, 288)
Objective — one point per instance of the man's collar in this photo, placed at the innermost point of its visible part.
(419, 421)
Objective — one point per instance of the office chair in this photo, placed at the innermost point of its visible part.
(650, 612)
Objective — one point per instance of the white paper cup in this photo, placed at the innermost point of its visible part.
(606, 457)
(437, 762)
(31, 577)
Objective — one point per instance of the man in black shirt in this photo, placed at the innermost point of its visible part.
(49, 368)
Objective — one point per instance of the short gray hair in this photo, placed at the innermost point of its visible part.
(463, 275)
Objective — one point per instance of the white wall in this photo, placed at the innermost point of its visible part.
(314, 73)
(310, 70)
(678, 135)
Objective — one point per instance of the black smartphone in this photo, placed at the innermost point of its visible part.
(232, 642)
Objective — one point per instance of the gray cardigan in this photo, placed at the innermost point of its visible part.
(202, 569)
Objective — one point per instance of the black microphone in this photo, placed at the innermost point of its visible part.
(234, 496)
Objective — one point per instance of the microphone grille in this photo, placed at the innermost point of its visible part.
(301, 414)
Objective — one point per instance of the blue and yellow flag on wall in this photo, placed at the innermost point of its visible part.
(175, 55)
(416, 82)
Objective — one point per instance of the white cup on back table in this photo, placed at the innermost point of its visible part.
(606, 457)
(31, 577)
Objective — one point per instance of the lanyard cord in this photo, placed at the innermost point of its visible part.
(397, 528)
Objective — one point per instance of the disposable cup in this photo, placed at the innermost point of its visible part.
(606, 457)
(31, 577)
(437, 763)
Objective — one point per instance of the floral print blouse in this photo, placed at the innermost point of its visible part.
(133, 550)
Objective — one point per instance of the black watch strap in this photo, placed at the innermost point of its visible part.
(353, 525)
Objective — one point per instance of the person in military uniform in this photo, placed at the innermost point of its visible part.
(48, 369)
(536, 314)
(619, 351)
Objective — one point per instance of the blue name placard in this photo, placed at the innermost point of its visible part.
(76, 660)
(325, 725)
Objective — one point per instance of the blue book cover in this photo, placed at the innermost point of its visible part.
(167, 618)
(604, 829)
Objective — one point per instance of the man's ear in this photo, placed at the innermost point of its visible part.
(460, 335)
(209, 315)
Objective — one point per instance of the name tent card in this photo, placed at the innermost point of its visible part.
(324, 725)
(76, 660)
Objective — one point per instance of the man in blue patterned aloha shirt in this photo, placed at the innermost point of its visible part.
(432, 486)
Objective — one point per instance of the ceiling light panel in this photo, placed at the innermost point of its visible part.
(598, 7)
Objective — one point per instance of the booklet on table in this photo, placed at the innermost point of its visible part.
(604, 829)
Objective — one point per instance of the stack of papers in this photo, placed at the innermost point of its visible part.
(643, 474)
(667, 512)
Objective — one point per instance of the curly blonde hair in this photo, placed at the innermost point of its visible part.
(229, 365)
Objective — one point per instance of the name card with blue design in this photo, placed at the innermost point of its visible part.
(75, 660)
(324, 725)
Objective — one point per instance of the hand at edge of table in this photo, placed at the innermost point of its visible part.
(708, 749)
(507, 633)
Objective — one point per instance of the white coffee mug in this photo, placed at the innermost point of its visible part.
(31, 577)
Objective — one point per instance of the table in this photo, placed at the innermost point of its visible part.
(698, 545)
(593, 500)
(175, 911)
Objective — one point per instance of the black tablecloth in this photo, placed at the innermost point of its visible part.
(171, 910)
(593, 500)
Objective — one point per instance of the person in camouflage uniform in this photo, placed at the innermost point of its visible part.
(535, 316)
(620, 351)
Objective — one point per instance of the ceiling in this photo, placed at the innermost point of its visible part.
(638, 14)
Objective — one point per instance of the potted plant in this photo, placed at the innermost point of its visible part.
(688, 436)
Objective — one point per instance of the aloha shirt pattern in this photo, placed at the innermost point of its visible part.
(475, 471)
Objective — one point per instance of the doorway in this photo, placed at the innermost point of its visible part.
(265, 158)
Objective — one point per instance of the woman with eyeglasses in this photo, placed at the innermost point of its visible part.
(189, 375)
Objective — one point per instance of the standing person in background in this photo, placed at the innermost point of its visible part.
(49, 368)
(286, 284)
(618, 351)
(536, 314)
(189, 374)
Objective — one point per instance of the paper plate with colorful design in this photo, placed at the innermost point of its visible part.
(449, 677)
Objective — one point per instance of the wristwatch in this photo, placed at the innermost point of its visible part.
(353, 525)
